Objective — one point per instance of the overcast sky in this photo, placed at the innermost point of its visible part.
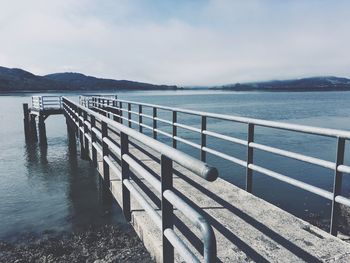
(177, 42)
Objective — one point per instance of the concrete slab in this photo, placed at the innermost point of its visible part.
(247, 228)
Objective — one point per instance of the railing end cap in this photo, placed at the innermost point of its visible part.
(210, 173)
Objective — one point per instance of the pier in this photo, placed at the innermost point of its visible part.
(178, 204)
(41, 108)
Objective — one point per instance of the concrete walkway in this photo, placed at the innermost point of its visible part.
(247, 228)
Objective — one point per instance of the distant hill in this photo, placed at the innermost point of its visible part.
(21, 80)
(304, 84)
(18, 80)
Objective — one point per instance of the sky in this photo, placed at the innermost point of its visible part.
(186, 43)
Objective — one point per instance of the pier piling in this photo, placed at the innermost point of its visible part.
(32, 128)
(26, 121)
(42, 131)
(72, 141)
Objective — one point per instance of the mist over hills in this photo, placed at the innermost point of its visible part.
(19, 80)
(16, 80)
(327, 83)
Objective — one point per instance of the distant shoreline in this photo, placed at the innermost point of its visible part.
(283, 89)
(83, 91)
(19, 92)
(13, 80)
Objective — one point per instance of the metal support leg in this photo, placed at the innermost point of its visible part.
(129, 114)
(174, 129)
(81, 136)
(86, 141)
(140, 119)
(124, 146)
(249, 172)
(121, 111)
(203, 139)
(167, 207)
(93, 141)
(154, 123)
(105, 154)
(337, 186)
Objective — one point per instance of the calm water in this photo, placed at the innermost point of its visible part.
(50, 189)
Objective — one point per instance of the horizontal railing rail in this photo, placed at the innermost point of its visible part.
(124, 110)
(86, 99)
(46, 102)
(94, 130)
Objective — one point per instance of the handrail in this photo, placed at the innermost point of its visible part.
(114, 107)
(259, 122)
(46, 102)
(85, 121)
(202, 169)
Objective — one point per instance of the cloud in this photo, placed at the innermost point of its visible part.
(182, 42)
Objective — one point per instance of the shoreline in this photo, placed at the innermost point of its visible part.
(108, 243)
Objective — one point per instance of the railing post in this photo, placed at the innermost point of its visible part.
(124, 147)
(249, 172)
(81, 135)
(115, 111)
(76, 119)
(93, 140)
(86, 131)
(108, 113)
(154, 122)
(337, 186)
(174, 129)
(121, 111)
(104, 108)
(167, 207)
(41, 102)
(105, 152)
(203, 138)
(129, 114)
(140, 118)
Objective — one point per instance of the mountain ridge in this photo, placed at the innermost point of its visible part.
(19, 80)
(16, 80)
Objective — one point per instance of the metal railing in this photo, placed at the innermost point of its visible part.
(86, 99)
(95, 130)
(46, 102)
(116, 108)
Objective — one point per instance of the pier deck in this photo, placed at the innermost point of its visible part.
(247, 228)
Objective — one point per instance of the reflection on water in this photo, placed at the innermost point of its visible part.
(83, 188)
(51, 189)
